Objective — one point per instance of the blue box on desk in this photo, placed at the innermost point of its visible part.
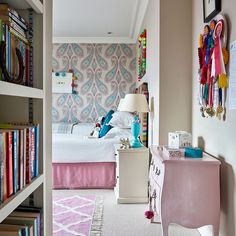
(193, 152)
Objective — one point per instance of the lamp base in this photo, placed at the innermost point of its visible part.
(135, 128)
(136, 144)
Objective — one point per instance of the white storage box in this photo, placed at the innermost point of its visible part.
(179, 139)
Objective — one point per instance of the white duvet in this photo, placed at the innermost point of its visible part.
(78, 147)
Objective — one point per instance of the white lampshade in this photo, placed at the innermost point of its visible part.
(120, 104)
(134, 103)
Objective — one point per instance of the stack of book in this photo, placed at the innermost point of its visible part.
(15, 33)
(24, 221)
(19, 157)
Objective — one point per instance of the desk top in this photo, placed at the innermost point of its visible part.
(157, 151)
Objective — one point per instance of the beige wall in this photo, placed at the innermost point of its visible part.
(168, 66)
(150, 23)
(216, 136)
(175, 67)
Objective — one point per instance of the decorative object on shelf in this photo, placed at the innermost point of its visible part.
(19, 79)
(193, 152)
(61, 82)
(179, 139)
(142, 49)
(173, 152)
(213, 57)
(124, 143)
(16, 42)
(135, 103)
(210, 9)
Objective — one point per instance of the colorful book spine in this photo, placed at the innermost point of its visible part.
(2, 166)
(9, 170)
(28, 143)
(21, 159)
(15, 162)
(32, 152)
(36, 150)
(1, 31)
(30, 38)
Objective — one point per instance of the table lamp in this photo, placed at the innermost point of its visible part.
(134, 103)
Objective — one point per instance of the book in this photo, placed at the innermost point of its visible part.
(15, 160)
(37, 150)
(2, 165)
(9, 163)
(32, 151)
(8, 16)
(30, 222)
(1, 32)
(9, 228)
(21, 159)
(5, 8)
(33, 209)
(31, 215)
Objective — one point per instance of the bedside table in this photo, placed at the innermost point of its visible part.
(132, 175)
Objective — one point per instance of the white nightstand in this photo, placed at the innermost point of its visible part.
(132, 175)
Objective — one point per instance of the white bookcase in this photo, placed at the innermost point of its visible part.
(14, 105)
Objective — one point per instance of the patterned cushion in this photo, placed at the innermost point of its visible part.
(106, 127)
(62, 128)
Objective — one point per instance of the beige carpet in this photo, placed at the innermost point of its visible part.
(128, 219)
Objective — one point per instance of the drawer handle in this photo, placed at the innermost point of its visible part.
(154, 194)
(158, 172)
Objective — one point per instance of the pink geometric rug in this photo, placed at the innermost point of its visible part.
(77, 215)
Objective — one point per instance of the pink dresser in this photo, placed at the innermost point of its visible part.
(185, 191)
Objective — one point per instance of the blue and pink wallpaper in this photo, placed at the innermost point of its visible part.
(105, 73)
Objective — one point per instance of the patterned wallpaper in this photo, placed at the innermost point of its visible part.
(105, 73)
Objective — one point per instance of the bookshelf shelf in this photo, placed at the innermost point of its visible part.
(11, 89)
(13, 202)
(18, 108)
(25, 4)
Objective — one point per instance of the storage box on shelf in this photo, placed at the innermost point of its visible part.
(22, 104)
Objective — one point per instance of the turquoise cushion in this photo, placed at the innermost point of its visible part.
(105, 126)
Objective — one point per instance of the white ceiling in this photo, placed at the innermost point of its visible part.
(86, 21)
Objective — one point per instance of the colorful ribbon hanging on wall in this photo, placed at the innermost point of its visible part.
(213, 57)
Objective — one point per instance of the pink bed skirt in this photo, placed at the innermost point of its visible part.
(84, 175)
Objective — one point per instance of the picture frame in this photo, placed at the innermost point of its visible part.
(210, 9)
(61, 82)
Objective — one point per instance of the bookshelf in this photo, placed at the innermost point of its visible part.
(15, 104)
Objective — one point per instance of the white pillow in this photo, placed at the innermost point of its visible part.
(118, 133)
(121, 119)
(83, 129)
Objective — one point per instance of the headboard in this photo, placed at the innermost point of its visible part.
(143, 89)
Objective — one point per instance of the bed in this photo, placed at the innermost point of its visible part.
(83, 162)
